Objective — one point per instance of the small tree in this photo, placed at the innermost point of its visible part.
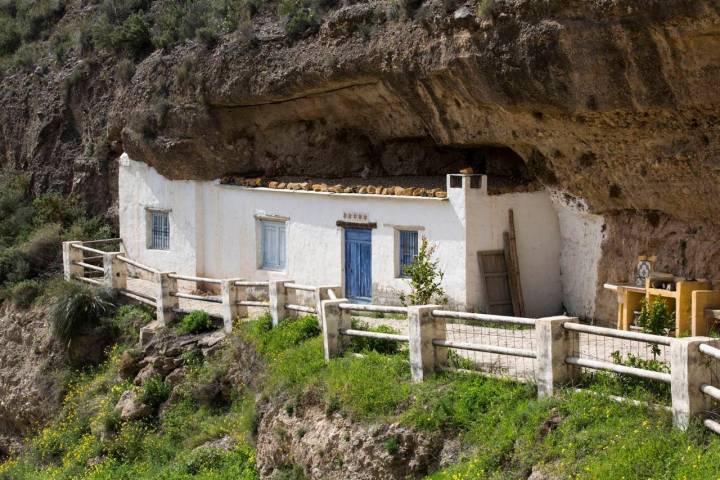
(425, 278)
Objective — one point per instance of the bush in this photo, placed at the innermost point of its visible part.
(14, 266)
(76, 307)
(56, 208)
(425, 278)
(43, 249)
(154, 392)
(9, 36)
(360, 344)
(24, 293)
(132, 37)
(301, 18)
(196, 321)
(130, 318)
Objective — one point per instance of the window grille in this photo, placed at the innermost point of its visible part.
(159, 230)
(273, 247)
(408, 249)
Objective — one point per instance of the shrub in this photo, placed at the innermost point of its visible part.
(43, 249)
(37, 17)
(9, 36)
(425, 278)
(154, 392)
(133, 36)
(130, 318)
(54, 207)
(391, 446)
(302, 18)
(14, 266)
(655, 318)
(24, 293)
(76, 307)
(360, 344)
(196, 321)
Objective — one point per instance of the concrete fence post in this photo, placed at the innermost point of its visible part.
(230, 309)
(333, 320)
(320, 294)
(114, 272)
(422, 331)
(166, 303)
(689, 369)
(278, 299)
(70, 256)
(554, 345)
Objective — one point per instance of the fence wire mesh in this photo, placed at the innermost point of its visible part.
(494, 334)
(713, 412)
(619, 351)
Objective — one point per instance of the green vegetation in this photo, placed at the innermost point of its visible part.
(197, 321)
(76, 307)
(504, 430)
(31, 234)
(362, 344)
(425, 278)
(655, 318)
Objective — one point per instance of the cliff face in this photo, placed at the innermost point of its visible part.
(613, 102)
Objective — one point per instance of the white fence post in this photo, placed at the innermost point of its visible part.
(333, 319)
(70, 256)
(321, 293)
(278, 299)
(114, 272)
(230, 308)
(166, 303)
(421, 332)
(689, 369)
(554, 345)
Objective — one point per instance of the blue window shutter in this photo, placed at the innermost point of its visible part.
(273, 245)
(408, 249)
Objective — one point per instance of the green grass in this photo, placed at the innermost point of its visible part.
(503, 429)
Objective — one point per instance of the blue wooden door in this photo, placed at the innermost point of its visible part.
(358, 264)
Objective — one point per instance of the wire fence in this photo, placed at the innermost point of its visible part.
(491, 334)
(637, 354)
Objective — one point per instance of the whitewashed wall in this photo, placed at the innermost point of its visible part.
(214, 233)
(582, 236)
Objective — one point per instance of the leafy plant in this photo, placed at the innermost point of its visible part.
(391, 446)
(197, 321)
(76, 307)
(360, 344)
(655, 318)
(425, 278)
(155, 391)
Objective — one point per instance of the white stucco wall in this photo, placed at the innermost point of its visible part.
(538, 246)
(214, 233)
(142, 188)
(582, 236)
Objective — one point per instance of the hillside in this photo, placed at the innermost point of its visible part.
(263, 404)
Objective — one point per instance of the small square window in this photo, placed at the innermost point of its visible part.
(455, 181)
(408, 243)
(273, 251)
(159, 230)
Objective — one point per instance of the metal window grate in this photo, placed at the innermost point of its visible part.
(273, 245)
(408, 249)
(160, 230)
